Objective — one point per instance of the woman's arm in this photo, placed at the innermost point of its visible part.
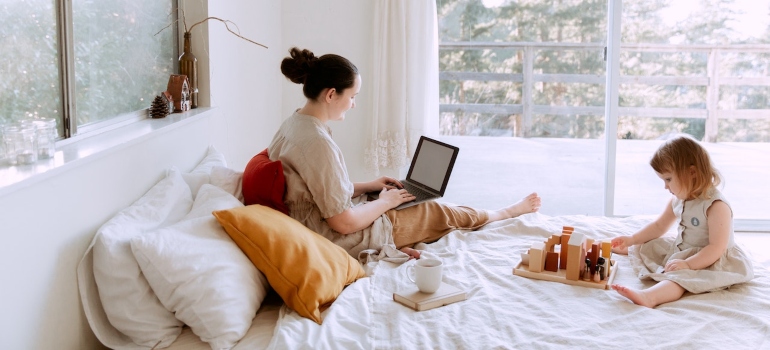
(358, 218)
(719, 217)
(653, 230)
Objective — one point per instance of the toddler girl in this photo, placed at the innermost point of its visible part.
(703, 257)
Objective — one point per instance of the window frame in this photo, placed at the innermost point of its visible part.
(66, 47)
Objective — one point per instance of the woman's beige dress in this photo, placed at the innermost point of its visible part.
(318, 187)
(317, 183)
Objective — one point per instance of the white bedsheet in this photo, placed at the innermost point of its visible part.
(506, 311)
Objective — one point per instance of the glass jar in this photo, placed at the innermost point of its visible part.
(46, 134)
(20, 143)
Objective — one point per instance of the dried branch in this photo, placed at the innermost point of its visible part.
(226, 22)
(184, 21)
(237, 31)
(169, 25)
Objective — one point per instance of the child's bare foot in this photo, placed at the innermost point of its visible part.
(638, 297)
(526, 205)
(413, 253)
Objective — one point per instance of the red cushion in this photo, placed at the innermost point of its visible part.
(263, 183)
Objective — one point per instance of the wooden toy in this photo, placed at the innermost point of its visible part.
(593, 254)
(563, 252)
(537, 257)
(606, 254)
(577, 256)
(545, 262)
(551, 242)
(552, 261)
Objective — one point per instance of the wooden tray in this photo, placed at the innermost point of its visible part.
(560, 276)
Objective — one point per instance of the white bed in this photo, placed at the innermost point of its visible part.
(502, 310)
(508, 311)
(258, 336)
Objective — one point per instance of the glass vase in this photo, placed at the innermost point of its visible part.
(188, 65)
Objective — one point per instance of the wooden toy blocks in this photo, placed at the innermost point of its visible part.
(577, 256)
(567, 263)
(537, 257)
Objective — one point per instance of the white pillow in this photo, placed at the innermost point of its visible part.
(229, 180)
(128, 302)
(200, 274)
(199, 175)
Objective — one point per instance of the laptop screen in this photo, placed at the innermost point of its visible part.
(432, 164)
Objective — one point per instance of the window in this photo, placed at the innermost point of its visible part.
(85, 63)
(526, 79)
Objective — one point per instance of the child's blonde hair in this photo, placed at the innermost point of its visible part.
(677, 155)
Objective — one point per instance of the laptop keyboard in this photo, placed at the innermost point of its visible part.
(417, 192)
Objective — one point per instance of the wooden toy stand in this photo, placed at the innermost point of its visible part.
(561, 276)
(543, 262)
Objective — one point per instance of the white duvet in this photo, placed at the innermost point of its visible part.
(504, 311)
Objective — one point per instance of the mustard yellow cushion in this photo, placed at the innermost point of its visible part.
(307, 270)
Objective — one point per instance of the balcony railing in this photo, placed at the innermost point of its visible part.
(527, 108)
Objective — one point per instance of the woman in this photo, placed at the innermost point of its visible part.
(320, 194)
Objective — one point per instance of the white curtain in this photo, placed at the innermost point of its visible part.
(405, 82)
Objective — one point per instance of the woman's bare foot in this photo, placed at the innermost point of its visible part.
(526, 205)
(638, 297)
(413, 253)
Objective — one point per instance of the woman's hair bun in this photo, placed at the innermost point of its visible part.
(298, 65)
(328, 71)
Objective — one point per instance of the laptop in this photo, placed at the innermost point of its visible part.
(429, 172)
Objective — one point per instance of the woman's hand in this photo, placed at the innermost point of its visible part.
(376, 185)
(386, 182)
(676, 264)
(394, 197)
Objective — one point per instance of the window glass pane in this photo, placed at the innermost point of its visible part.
(573, 21)
(120, 64)
(522, 94)
(699, 68)
(29, 61)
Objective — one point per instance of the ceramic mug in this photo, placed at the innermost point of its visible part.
(427, 274)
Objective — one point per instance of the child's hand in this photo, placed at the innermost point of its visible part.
(676, 264)
(620, 244)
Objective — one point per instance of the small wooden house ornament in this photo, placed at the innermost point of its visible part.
(179, 88)
(168, 100)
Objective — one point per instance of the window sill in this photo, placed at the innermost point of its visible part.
(70, 154)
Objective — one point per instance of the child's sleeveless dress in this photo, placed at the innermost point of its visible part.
(649, 259)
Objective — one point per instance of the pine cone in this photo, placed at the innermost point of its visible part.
(159, 109)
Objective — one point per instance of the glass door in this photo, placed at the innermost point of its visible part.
(700, 68)
(522, 95)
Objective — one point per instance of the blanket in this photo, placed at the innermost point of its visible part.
(505, 311)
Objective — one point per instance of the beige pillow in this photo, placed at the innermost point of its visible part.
(307, 270)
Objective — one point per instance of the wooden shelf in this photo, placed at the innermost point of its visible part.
(560, 276)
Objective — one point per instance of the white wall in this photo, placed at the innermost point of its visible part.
(343, 27)
(46, 227)
(245, 78)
